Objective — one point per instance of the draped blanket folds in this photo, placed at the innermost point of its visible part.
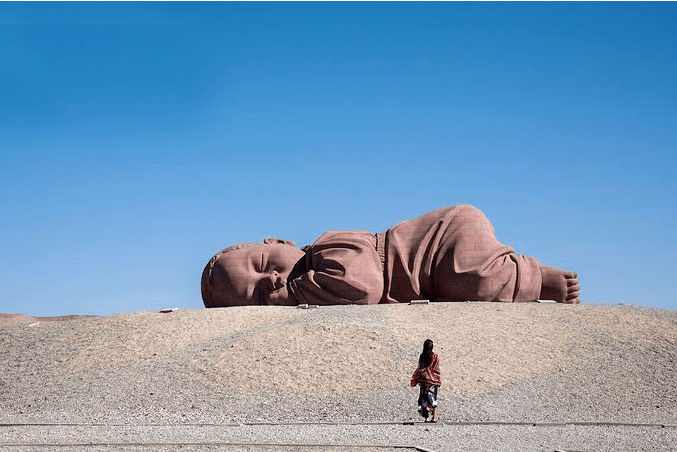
(449, 254)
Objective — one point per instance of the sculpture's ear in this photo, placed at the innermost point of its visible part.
(272, 240)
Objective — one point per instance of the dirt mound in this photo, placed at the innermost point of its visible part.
(498, 361)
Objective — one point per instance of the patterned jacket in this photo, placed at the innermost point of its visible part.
(428, 375)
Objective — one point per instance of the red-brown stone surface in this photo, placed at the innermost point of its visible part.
(449, 254)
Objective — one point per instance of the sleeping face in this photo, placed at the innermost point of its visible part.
(255, 274)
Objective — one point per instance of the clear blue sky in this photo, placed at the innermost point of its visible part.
(137, 139)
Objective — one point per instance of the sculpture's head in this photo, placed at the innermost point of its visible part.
(250, 274)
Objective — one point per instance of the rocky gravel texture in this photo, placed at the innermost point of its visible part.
(291, 377)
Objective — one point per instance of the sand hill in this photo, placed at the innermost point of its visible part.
(499, 362)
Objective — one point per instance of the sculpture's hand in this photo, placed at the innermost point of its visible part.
(281, 297)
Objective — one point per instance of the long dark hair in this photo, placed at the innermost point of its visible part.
(427, 355)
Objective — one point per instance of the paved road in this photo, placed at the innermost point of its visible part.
(341, 437)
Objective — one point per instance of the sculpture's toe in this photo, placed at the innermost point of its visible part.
(573, 289)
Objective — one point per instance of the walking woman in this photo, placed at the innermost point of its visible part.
(427, 377)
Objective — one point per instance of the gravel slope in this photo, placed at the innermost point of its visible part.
(531, 363)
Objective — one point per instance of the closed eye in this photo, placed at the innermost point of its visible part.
(263, 263)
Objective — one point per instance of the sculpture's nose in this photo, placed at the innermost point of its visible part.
(277, 280)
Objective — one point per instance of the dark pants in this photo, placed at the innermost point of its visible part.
(427, 397)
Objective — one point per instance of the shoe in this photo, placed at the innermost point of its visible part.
(423, 412)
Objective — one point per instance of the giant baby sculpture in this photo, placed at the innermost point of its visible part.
(449, 254)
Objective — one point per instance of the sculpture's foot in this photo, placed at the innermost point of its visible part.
(559, 285)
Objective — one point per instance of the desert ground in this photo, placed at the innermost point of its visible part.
(536, 376)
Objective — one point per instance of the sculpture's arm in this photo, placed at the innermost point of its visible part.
(319, 288)
(340, 275)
